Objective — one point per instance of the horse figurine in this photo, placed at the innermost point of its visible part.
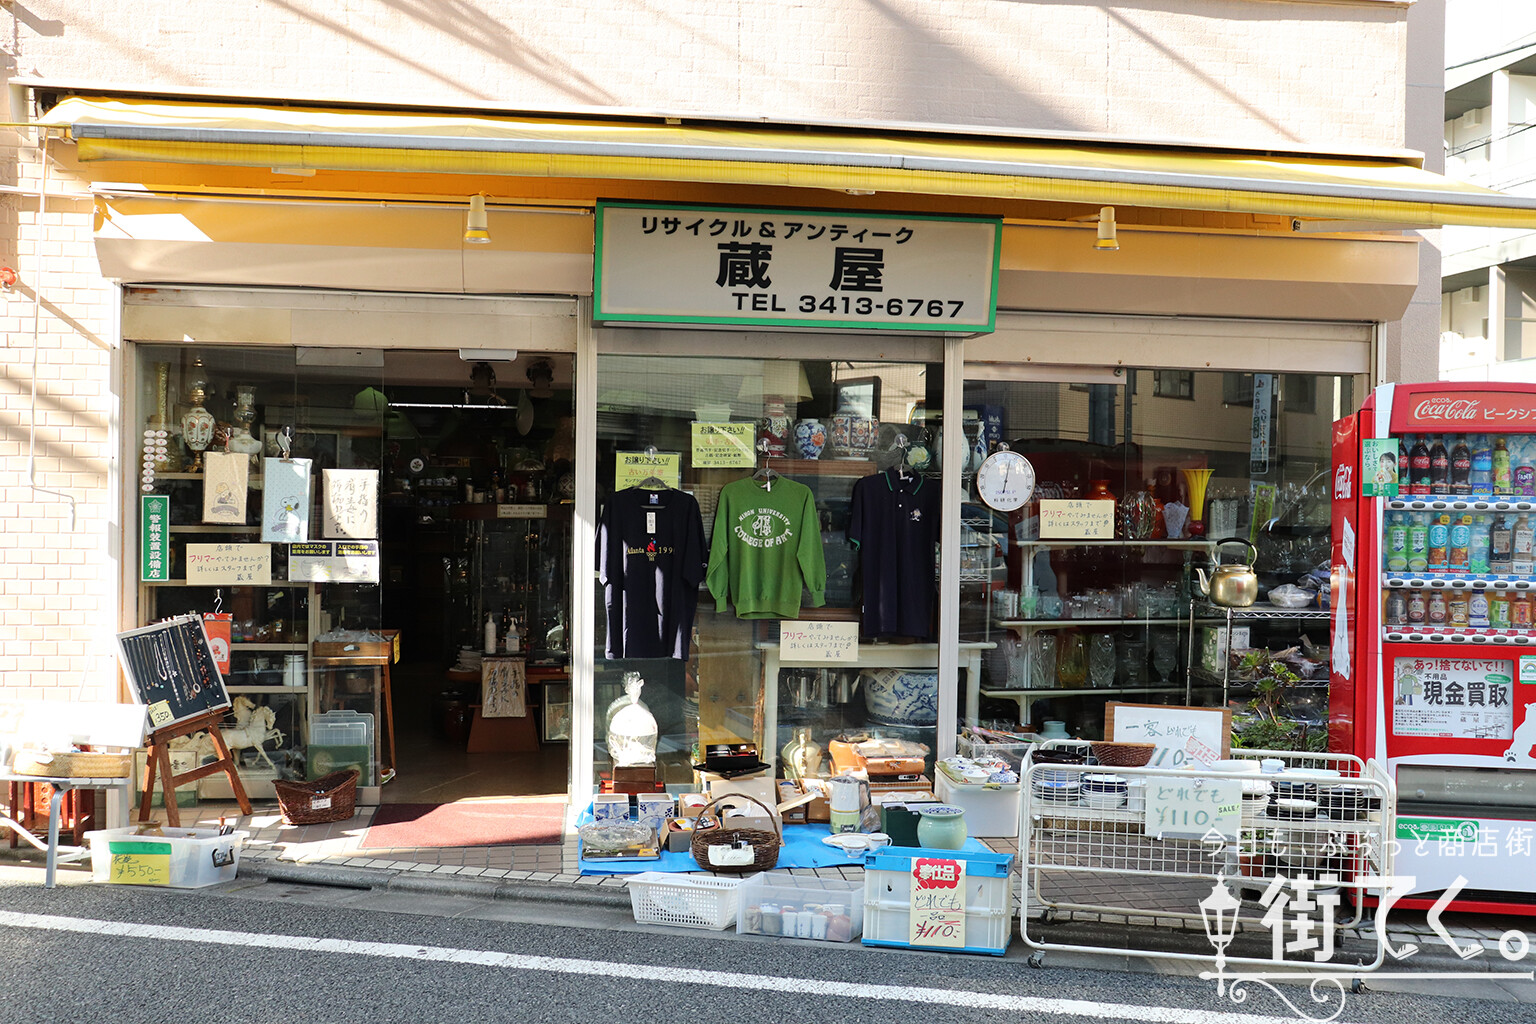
(254, 727)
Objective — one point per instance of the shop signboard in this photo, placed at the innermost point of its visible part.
(1454, 698)
(1184, 737)
(936, 917)
(724, 445)
(155, 538)
(830, 269)
(1263, 415)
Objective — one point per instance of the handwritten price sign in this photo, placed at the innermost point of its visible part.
(937, 917)
(819, 641)
(140, 864)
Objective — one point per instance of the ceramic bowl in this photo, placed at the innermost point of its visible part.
(894, 696)
(1237, 766)
(1098, 783)
(1293, 808)
(1104, 801)
(976, 775)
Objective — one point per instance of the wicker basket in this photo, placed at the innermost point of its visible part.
(1123, 755)
(328, 798)
(73, 764)
(711, 830)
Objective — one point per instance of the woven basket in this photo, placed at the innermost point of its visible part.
(328, 798)
(74, 764)
(1123, 755)
(711, 830)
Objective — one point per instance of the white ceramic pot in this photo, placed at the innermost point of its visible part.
(897, 696)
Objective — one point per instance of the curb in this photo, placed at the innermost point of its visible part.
(448, 885)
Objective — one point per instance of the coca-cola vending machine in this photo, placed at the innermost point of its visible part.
(1433, 643)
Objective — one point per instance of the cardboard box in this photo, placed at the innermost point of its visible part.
(817, 809)
(920, 784)
(759, 787)
(688, 804)
(1215, 646)
(678, 835)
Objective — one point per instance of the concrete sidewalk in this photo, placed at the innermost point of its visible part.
(485, 881)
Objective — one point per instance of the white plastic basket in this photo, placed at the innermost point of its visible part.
(686, 901)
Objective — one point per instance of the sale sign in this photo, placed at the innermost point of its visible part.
(937, 916)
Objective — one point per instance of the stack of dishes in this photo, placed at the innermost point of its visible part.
(1256, 794)
(1103, 792)
(1237, 766)
(1293, 808)
(1059, 787)
(1348, 802)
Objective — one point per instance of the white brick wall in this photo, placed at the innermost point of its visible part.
(57, 609)
(1266, 72)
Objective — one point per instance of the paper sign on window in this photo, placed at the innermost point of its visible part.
(225, 478)
(351, 500)
(229, 564)
(1077, 519)
(819, 641)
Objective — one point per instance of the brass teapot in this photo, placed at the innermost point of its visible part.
(1235, 585)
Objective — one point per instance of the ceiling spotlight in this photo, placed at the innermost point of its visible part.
(1107, 241)
(542, 376)
(477, 228)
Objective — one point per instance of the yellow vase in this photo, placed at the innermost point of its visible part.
(1196, 480)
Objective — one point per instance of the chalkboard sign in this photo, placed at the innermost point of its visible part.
(171, 669)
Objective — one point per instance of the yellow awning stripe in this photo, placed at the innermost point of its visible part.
(1352, 189)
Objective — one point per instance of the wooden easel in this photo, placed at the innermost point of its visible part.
(158, 762)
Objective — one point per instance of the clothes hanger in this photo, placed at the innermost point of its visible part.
(902, 472)
(652, 483)
(766, 474)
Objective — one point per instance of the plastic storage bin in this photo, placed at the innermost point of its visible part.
(988, 898)
(339, 740)
(989, 813)
(763, 898)
(687, 901)
(187, 858)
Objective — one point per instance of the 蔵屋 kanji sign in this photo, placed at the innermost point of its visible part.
(788, 268)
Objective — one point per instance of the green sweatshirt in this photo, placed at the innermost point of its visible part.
(766, 545)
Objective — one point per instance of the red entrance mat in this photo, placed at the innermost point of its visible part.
(467, 823)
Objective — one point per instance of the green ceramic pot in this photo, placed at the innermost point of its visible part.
(942, 827)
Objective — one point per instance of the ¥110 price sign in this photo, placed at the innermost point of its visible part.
(937, 914)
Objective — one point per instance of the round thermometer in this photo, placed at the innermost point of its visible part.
(1005, 480)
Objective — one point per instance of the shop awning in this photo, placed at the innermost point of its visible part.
(1387, 191)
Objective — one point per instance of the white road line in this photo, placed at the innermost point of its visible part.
(643, 972)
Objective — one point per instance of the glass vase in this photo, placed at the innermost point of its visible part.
(1072, 659)
(1101, 660)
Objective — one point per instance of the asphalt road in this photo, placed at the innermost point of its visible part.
(274, 952)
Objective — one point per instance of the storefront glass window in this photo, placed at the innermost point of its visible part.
(760, 518)
(1088, 608)
(396, 504)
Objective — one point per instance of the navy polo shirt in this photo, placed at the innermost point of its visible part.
(894, 523)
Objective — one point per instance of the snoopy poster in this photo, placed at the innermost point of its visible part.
(285, 501)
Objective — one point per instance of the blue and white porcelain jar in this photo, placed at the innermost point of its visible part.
(810, 438)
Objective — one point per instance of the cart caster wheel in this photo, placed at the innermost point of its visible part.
(1037, 960)
(1357, 985)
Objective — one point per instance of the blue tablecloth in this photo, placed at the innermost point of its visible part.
(803, 848)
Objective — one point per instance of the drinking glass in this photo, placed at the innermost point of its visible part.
(1043, 664)
(1101, 660)
(1165, 654)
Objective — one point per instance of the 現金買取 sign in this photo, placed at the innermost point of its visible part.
(795, 268)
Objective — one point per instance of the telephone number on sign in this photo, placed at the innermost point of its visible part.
(865, 305)
(850, 305)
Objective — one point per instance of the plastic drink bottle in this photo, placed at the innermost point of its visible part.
(1439, 541)
(1418, 468)
(1477, 609)
(1501, 546)
(1397, 542)
(1418, 542)
(1477, 547)
(1461, 466)
(1439, 468)
(1482, 465)
(1501, 472)
(1461, 536)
